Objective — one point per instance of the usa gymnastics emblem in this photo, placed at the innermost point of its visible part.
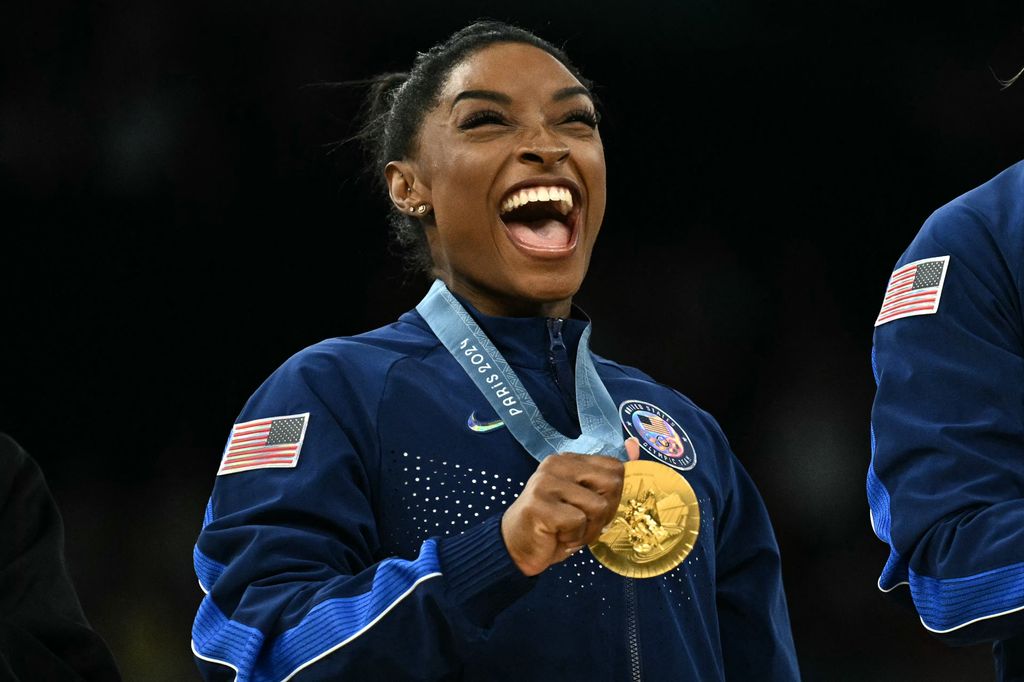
(659, 434)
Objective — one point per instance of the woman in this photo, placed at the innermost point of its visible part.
(378, 513)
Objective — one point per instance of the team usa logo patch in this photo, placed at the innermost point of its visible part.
(659, 434)
(271, 443)
(914, 289)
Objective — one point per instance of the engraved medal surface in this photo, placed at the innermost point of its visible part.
(656, 525)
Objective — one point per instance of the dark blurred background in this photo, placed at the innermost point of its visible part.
(168, 178)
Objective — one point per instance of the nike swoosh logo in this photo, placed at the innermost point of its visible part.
(482, 427)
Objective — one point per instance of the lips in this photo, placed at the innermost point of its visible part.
(542, 217)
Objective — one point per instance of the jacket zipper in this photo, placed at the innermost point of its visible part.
(633, 632)
(556, 346)
(558, 364)
(556, 353)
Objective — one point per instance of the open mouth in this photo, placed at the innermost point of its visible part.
(541, 218)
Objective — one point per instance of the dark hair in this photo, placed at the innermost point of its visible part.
(397, 102)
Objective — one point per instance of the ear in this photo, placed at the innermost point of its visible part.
(401, 178)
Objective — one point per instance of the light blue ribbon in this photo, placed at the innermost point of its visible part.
(469, 345)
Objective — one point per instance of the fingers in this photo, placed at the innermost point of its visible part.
(633, 448)
(539, 529)
(564, 506)
(602, 475)
(597, 512)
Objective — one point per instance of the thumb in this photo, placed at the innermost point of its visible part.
(633, 449)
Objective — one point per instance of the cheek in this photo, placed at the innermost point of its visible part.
(591, 163)
(600, 166)
(596, 174)
(457, 165)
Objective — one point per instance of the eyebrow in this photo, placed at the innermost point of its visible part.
(502, 98)
(566, 93)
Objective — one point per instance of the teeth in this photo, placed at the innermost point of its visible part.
(524, 196)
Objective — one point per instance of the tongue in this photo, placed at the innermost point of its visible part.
(543, 233)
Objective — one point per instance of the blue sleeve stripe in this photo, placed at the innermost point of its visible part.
(878, 496)
(947, 604)
(207, 570)
(878, 500)
(895, 571)
(208, 516)
(219, 640)
(327, 627)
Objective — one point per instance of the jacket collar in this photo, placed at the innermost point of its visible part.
(523, 341)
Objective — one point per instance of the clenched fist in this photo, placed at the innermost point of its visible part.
(564, 506)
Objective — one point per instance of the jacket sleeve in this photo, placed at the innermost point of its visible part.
(757, 642)
(946, 480)
(290, 558)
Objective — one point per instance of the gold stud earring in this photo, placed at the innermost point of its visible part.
(421, 209)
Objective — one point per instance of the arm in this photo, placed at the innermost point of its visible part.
(946, 482)
(291, 562)
(43, 632)
(753, 617)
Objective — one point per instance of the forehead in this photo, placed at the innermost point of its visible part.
(510, 68)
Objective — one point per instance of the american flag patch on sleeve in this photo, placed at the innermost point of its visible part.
(264, 444)
(914, 289)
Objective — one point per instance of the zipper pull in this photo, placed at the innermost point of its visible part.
(555, 336)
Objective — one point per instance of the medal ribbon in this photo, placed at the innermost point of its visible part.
(491, 373)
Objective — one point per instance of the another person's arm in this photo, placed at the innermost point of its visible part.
(44, 634)
(946, 482)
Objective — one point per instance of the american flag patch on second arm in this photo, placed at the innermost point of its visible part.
(914, 289)
(268, 443)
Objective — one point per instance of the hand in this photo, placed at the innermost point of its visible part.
(564, 505)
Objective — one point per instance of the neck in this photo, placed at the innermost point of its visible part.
(496, 305)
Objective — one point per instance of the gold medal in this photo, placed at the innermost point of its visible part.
(656, 525)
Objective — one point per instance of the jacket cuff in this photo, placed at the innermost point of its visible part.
(477, 567)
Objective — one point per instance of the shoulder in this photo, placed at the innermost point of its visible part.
(985, 221)
(364, 357)
(999, 202)
(633, 384)
(963, 268)
(21, 477)
(618, 370)
(342, 373)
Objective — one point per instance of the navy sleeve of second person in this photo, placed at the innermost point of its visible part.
(946, 481)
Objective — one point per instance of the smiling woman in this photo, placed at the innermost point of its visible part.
(512, 163)
(414, 502)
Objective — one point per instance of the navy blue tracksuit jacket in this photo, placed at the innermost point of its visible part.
(362, 540)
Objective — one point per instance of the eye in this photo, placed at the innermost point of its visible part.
(584, 116)
(482, 118)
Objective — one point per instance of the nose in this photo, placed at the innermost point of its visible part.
(544, 150)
